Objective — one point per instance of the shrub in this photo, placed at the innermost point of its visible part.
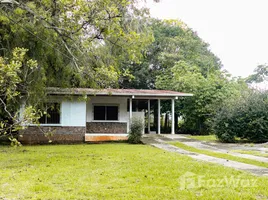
(247, 118)
(135, 133)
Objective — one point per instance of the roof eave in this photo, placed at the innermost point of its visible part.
(122, 94)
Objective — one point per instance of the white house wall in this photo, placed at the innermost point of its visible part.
(120, 101)
(73, 113)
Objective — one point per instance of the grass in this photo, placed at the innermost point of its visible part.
(207, 138)
(220, 155)
(115, 171)
(252, 152)
(213, 138)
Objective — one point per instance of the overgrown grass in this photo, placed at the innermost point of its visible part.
(207, 138)
(114, 171)
(220, 155)
(252, 152)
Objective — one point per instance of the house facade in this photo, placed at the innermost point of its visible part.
(89, 115)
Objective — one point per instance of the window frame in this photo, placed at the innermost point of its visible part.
(106, 105)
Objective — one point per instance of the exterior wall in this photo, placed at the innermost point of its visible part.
(73, 113)
(106, 127)
(76, 120)
(60, 134)
(110, 100)
(72, 127)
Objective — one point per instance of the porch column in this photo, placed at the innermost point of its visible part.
(159, 117)
(130, 111)
(173, 116)
(149, 120)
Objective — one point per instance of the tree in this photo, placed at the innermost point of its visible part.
(76, 42)
(173, 41)
(209, 93)
(18, 75)
(260, 75)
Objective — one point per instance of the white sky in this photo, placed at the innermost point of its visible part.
(237, 30)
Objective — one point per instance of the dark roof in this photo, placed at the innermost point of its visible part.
(115, 92)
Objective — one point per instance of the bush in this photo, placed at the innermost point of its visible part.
(135, 133)
(247, 118)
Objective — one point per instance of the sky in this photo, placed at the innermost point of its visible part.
(237, 30)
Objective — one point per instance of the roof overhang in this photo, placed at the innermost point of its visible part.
(132, 93)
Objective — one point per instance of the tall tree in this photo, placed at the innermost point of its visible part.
(209, 94)
(174, 41)
(260, 74)
(76, 42)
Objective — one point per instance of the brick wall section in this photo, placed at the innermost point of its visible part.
(35, 135)
(106, 127)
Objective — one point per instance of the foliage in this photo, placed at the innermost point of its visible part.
(209, 93)
(260, 75)
(76, 42)
(246, 118)
(135, 133)
(173, 41)
(18, 75)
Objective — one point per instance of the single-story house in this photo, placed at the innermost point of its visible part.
(84, 114)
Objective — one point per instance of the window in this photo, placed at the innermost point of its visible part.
(105, 112)
(52, 114)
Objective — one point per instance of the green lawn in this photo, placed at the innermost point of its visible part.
(252, 152)
(207, 138)
(220, 155)
(115, 171)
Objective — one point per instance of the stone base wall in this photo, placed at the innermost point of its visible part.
(106, 127)
(60, 134)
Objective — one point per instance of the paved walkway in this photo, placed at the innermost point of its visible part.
(160, 141)
(213, 147)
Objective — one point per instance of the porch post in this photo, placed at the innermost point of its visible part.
(173, 116)
(130, 111)
(159, 117)
(149, 120)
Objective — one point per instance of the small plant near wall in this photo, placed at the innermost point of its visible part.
(135, 133)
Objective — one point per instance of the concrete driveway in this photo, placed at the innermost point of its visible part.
(162, 142)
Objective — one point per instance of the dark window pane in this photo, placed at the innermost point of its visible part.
(42, 120)
(99, 112)
(53, 113)
(112, 113)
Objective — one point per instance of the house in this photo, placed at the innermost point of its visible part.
(83, 114)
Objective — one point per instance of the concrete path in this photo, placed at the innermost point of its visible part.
(215, 148)
(161, 142)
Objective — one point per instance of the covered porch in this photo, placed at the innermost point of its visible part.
(124, 105)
